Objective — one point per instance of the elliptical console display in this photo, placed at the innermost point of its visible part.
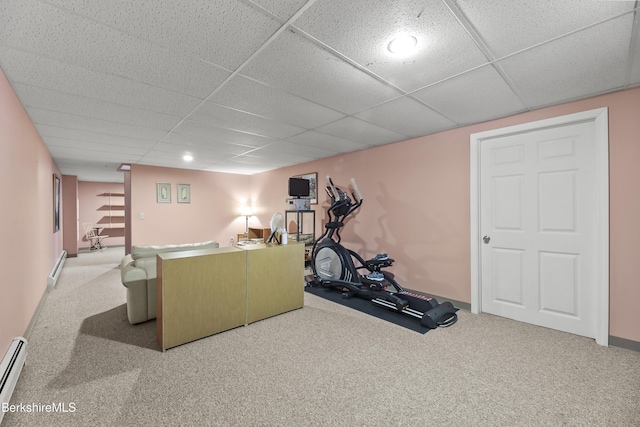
(334, 267)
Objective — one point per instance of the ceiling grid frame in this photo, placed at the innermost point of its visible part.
(99, 103)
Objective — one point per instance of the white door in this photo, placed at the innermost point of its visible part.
(539, 227)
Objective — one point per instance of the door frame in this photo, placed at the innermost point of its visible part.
(600, 118)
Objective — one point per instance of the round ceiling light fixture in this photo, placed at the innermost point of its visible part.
(402, 45)
(187, 157)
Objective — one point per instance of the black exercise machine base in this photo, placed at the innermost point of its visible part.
(365, 306)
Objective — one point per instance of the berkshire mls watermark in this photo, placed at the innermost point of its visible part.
(59, 407)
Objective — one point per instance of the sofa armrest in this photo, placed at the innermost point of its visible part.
(135, 280)
(131, 274)
(127, 259)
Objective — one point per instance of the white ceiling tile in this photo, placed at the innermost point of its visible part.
(298, 66)
(284, 9)
(31, 69)
(247, 95)
(265, 160)
(174, 163)
(47, 131)
(169, 150)
(362, 29)
(223, 32)
(407, 116)
(97, 156)
(280, 157)
(326, 142)
(198, 143)
(219, 151)
(361, 131)
(223, 117)
(46, 30)
(240, 168)
(472, 97)
(217, 134)
(516, 25)
(111, 81)
(33, 96)
(62, 143)
(634, 57)
(585, 63)
(302, 150)
(54, 118)
(159, 158)
(167, 162)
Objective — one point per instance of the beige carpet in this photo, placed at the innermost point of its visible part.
(323, 365)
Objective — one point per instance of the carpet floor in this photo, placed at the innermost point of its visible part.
(322, 365)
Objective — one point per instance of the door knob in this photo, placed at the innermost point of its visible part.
(486, 239)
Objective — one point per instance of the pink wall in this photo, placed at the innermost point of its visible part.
(29, 246)
(97, 208)
(624, 211)
(401, 185)
(213, 213)
(417, 204)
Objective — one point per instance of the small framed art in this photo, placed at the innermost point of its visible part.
(56, 203)
(163, 192)
(184, 193)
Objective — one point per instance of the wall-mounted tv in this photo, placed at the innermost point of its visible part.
(298, 187)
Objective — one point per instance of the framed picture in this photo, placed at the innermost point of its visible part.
(184, 193)
(56, 203)
(163, 192)
(313, 186)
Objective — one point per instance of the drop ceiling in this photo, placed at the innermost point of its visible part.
(250, 86)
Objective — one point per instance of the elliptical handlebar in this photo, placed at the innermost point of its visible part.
(333, 188)
(356, 190)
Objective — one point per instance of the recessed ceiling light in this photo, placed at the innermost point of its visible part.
(402, 45)
(187, 157)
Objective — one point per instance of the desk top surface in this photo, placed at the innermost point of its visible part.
(196, 253)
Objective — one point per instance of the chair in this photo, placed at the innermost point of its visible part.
(93, 236)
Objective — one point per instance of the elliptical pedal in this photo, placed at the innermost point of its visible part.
(376, 264)
(375, 276)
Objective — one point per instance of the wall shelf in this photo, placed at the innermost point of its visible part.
(115, 220)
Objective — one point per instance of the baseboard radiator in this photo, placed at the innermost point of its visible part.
(10, 369)
(55, 271)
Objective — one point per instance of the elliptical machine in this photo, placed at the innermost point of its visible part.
(333, 267)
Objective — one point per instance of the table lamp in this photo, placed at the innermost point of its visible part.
(246, 212)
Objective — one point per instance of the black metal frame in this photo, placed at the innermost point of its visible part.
(351, 283)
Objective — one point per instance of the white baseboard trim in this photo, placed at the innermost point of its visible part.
(56, 270)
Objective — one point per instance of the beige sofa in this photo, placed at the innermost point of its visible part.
(138, 273)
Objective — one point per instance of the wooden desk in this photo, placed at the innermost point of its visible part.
(203, 292)
(255, 234)
(199, 293)
(275, 279)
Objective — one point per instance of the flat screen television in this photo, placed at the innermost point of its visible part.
(298, 187)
